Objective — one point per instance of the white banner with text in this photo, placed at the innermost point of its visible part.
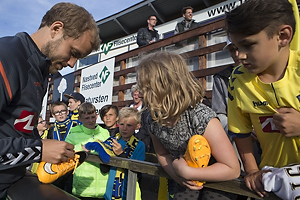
(97, 84)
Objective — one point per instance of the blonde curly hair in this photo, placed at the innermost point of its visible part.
(167, 85)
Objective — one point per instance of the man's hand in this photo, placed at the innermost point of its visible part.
(253, 181)
(54, 151)
(117, 148)
(287, 121)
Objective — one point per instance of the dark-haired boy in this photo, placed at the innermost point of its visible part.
(109, 114)
(75, 100)
(268, 79)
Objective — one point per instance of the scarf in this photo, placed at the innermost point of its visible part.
(105, 151)
(45, 134)
(117, 189)
(74, 116)
(62, 128)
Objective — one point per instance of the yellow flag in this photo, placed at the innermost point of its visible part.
(295, 43)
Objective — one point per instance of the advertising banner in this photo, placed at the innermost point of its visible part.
(96, 84)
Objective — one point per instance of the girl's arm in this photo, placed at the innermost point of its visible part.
(227, 166)
(165, 160)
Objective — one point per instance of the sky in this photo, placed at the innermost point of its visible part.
(26, 15)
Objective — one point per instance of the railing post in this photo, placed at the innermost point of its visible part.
(131, 185)
(202, 59)
(122, 81)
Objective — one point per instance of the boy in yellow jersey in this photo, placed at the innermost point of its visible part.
(267, 80)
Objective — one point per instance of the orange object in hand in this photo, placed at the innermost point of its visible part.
(197, 153)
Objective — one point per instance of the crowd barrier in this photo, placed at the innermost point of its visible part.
(29, 187)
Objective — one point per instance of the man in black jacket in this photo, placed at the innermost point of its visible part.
(188, 22)
(148, 35)
(189, 44)
(67, 32)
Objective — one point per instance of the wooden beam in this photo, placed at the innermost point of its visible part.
(236, 186)
(201, 30)
(121, 104)
(208, 71)
(123, 87)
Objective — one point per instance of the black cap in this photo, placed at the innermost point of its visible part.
(76, 96)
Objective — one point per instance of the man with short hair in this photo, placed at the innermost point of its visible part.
(148, 35)
(75, 100)
(67, 32)
(189, 44)
(187, 22)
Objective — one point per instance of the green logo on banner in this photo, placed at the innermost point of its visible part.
(106, 47)
(104, 74)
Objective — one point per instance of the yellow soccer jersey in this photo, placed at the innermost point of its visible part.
(252, 103)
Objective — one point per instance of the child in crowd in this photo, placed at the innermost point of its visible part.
(173, 97)
(127, 146)
(88, 181)
(220, 86)
(75, 100)
(62, 125)
(109, 115)
(266, 82)
(41, 128)
(59, 131)
(123, 144)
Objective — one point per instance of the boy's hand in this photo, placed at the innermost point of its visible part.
(287, 121)
(253, 181)
(117, 148)
(83, 147)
